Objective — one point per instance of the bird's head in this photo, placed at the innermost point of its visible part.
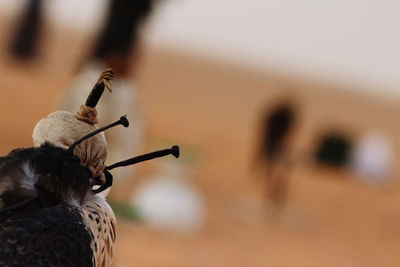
(79, 134)
(63, 129)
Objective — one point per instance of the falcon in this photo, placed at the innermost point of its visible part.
(53, 210)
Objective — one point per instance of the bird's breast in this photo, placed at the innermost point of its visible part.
(100, 220)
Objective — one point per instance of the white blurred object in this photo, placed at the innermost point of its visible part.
(122, 142)
(373, 160)
(82, 16)
(167, 201)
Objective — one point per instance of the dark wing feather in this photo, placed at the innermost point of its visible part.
(48, 173)
(54, 236)
(16, 186)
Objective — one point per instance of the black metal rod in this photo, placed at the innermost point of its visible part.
(95, 95)
(156, 154)
(98, 89)
(123, 120)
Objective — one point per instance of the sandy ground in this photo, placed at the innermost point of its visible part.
(330, 219)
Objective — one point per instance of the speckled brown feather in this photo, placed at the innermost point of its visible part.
(100, 220)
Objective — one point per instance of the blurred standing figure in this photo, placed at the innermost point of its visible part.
(24, 42)
(117, 47)
(273, 155)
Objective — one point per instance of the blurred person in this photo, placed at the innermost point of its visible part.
(116, 47)
(24, 42)
(274, 151)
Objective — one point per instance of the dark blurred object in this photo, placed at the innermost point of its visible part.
(119, 36)
(277, 127)
(333, 150)
(25, 41)
(278, 124)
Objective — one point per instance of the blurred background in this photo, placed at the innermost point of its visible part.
(286, 113)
